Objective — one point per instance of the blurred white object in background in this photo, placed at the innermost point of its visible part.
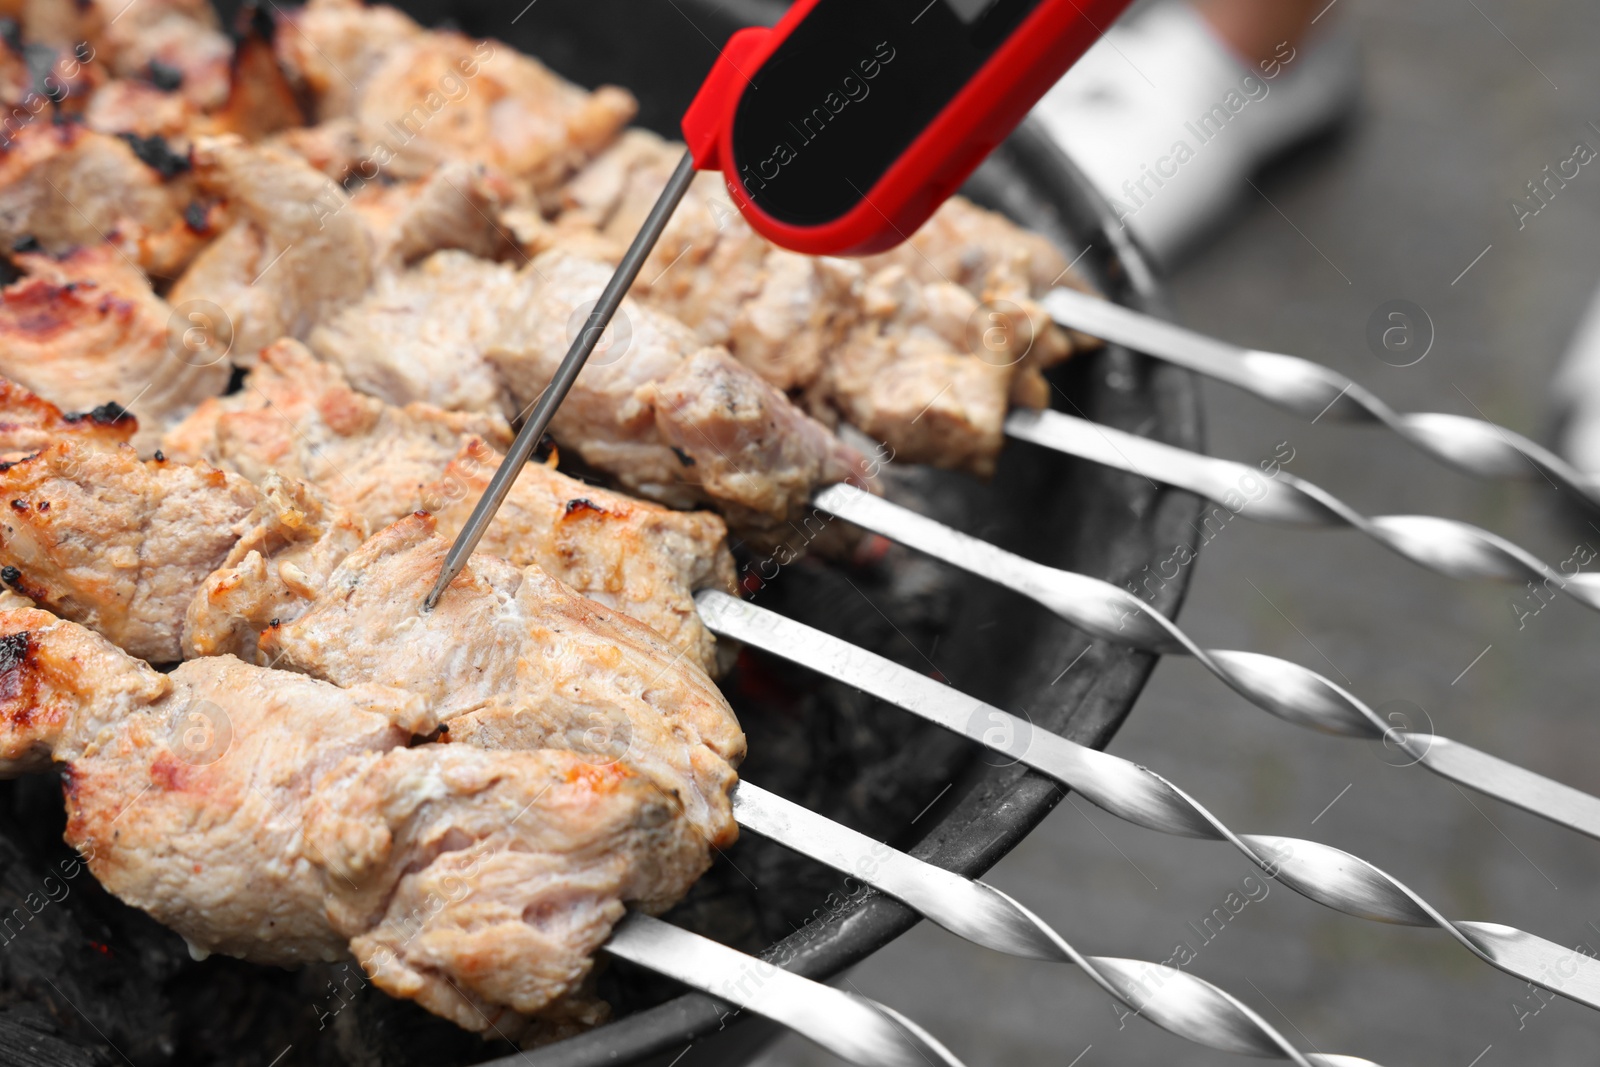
(1170, 123)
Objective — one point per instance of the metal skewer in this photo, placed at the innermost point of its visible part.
(1473, 446)
(852, 1027)
(1172, 999)
(1327, 875)
(1445, 546)
(1287, 690)
(561, 382)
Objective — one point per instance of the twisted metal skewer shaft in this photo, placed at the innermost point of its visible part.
(1473, 446)
(852, 1027)
(1287, 690)
(1172, 999)
(1327, 875)
(1445, 546)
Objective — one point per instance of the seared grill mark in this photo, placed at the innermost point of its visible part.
(15, 660)
(155, 153)
(13, 577)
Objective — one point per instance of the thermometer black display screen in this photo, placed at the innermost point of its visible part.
(849, 90)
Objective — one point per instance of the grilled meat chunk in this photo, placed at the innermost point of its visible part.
(549, 845)
(923, 347)
(67, 186)
(903, 374)
(84, 330)
(299, 416)
(641, 559)
(293, 540)
(119, 544)
(511, 658)
(180, 37)
(279, 818)
(667, 418)
(422, 334)
(62, 687)
(431, 96)
(192, 807)
(293, 255)
(454, 207)
(134, 106)
(29, 423)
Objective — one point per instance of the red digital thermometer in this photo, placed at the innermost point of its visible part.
(843, 127)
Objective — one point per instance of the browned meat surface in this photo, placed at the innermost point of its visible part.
(511, 658)
(299, 416)
(272, 816)
(332, 47)
(292, 542)
(254, 99)
(550, 846)
(84, 330)
(294, 254)
(180, 36)
(29, 423)
(61, 687)
(430, 97)
(260, 100)
(118, 543)
(422, 334)
(924, 347)
(193, 806)
(67, 186)
(454, 207)
(668, 419)
(133, 105)
(903, 373)
(641, 559)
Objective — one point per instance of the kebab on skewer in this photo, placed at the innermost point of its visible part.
(244, 544)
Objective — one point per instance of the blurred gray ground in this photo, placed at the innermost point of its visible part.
(1457, 119)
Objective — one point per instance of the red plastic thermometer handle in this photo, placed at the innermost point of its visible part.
(842, 128)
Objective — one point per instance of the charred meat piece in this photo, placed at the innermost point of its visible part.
(251, 98)
(136, 106)
(61, 687)
(84, 330)
(511, 658)
(179, 40)
(67, 186)
(119, 544)
(299, 416)
(430, 97)
(29, 423)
